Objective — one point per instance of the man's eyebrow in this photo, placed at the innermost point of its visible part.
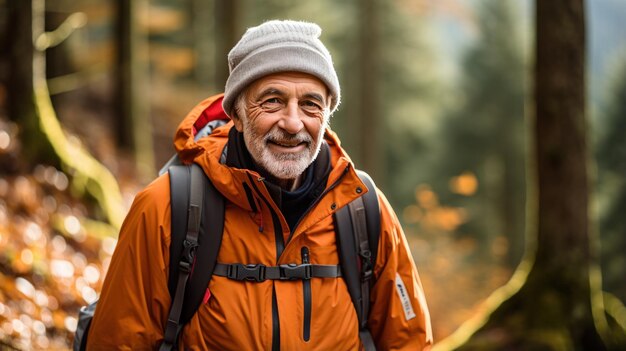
(270, 91)
(316, 96)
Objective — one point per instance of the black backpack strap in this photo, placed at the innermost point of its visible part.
(85, 316)
(358, 231)
(193, 230)
(372, 214)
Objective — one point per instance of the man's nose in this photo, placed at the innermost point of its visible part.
(291, 121)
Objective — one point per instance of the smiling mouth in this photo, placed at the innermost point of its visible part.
(287, 144)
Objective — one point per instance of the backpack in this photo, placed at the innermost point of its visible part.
(197, 211)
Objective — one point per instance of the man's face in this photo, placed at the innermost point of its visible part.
(283, 121)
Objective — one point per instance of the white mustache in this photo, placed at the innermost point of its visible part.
(278, 136)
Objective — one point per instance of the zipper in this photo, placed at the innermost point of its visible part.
(306, 289)
(278, 230)
(280, 247)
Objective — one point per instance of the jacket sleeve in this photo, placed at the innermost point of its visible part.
(399, 318)
(135, 301)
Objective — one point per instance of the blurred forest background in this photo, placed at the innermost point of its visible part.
(436, 107)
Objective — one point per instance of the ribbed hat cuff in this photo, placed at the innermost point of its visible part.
(293, 58)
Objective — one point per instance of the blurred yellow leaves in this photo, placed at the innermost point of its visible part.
(161, 19)
(457, 270)
(171, 61)
(5, 139)
(430, 214)
(465, 184)
(50, 265)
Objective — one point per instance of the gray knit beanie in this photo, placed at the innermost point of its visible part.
(279, 46)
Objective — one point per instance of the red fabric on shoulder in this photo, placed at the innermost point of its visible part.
(211, 113)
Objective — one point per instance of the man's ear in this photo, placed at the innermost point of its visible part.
(237, 121)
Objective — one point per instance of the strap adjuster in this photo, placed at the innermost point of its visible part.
(253, 272)
(366, 265)
(293, 271)
(188, 255)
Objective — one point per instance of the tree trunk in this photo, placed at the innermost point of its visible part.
(123, 128)
(563, 257)
(226, 17)
(202, 24)
(553, 310)
(21, 101)
(368, 119)
(134, 125)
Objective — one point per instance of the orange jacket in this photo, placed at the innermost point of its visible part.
(134, 302)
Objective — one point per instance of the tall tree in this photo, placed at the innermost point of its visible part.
(202, 28)
(547, 305)
(560, 143)
(22, 108)
(227, 31)
(134, 125)
(367, 120)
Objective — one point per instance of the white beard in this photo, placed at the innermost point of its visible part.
(281, 165)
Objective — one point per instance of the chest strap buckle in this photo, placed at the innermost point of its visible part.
(252, 272)
(294, 271)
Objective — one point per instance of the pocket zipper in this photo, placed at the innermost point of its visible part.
(306, 288)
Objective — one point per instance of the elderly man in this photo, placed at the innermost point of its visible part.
(284, 176)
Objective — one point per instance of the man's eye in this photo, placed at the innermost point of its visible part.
(310, 105)
(271, 103)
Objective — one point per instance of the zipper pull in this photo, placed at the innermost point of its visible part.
(304, 252)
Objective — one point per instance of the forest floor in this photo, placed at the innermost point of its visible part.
(50, 261)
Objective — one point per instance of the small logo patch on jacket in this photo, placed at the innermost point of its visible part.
(404, 298)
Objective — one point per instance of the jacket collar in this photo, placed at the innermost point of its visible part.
(237, 155)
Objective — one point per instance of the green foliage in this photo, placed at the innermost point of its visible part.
(611, 157)
(484, 130)
(412, 94)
